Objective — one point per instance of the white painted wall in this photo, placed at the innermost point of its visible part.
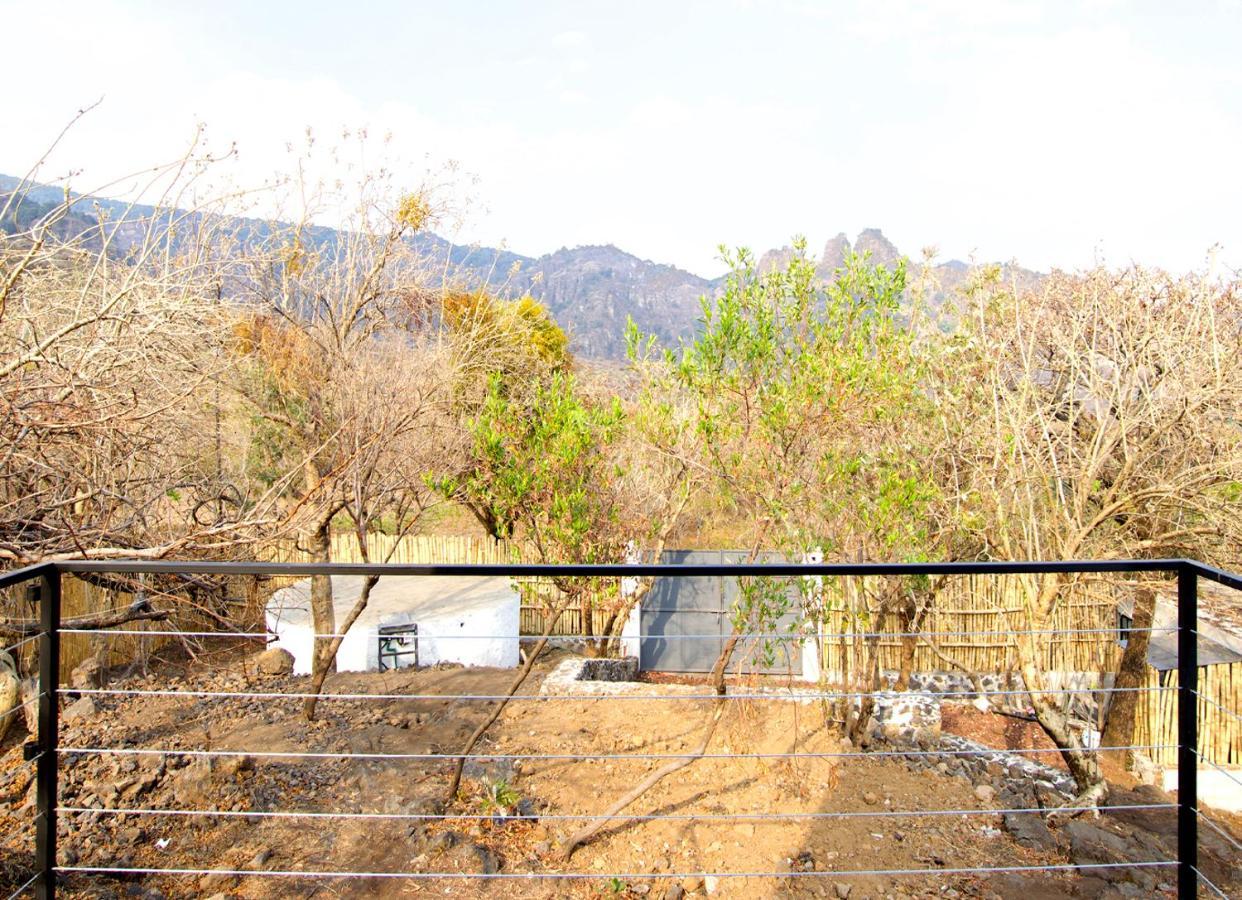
(473, 621)
(1218, 789)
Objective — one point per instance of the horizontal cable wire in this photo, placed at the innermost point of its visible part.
(22, 889)
(18, 708)
(1224, 772)
(1208, 882)
(647, 637)
(1227, 712)
(775, 694)
(38, 623)
(1226, 835)
(586, 817)
(299, 754)
(23, 642)
(595, 876)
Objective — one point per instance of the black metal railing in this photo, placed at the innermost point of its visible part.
(46, 748)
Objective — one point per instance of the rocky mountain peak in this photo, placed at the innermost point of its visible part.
(883, 251)
(834, 255)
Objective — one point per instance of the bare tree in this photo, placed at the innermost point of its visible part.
(110, 332)
(1102, 416)
(325, 313)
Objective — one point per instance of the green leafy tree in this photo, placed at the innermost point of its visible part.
(539, 467)
(795, 387)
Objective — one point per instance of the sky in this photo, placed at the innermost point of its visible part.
(1054, 134)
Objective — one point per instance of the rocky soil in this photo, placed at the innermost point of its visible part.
(509, 818)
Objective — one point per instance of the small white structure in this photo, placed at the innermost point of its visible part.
(467, 620)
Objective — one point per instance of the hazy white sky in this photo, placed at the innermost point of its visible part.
(1051, 133)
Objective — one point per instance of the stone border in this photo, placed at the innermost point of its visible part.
(907, 720)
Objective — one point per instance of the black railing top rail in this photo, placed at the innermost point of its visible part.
(622, 570)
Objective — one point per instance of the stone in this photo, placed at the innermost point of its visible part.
(1029, 830)
(80, 710)
(1092, 845)
(674, 892)
(30, 705)
(985, 793)
(216, 881)
(842, 890)
(486, 861)
(276, 661)
(87, 675)
(1146, 771)
(623, 669)
(692, 884)
(870, 798)
(261, 858)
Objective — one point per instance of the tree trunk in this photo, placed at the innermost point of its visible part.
(909, 643)
(323, 615)
(318, 677)
(1083, 763)
(586, 614)
(870, 681)
(1131, 676)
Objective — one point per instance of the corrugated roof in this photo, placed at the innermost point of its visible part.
(1219, 626)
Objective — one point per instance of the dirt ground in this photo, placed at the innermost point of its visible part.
(1001, 732)
(655, 858)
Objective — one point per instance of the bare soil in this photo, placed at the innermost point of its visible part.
(999, 731)
(842, 799)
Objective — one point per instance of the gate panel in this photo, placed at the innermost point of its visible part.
(679, 612)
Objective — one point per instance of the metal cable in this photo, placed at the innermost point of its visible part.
(595, 876)
(1226, 835)
(23, 642)
(1224, 772)
(1208, 882)
(774, 694)
(294, 754)
(649, 637)
(584, 817)
(1227, 712)
(21, 890)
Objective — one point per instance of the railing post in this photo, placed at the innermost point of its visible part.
(49, 699)
(1187, 731)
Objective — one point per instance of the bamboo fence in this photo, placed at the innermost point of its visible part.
(965, 620)
(79, 598)
(969, 624)
(1220, 704)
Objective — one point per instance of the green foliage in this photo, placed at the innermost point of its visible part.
(797, 385)
(808, 402)
(497, 797)
(540, 465)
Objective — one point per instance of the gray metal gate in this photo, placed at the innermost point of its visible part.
(684, 621)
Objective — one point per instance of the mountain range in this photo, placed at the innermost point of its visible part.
(590, 290)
